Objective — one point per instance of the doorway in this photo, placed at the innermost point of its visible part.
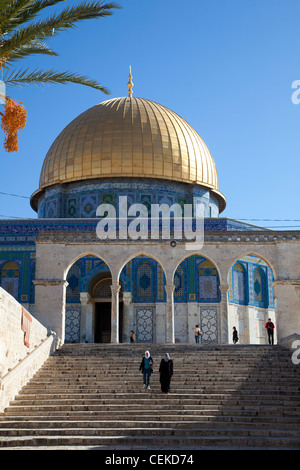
(103, 322)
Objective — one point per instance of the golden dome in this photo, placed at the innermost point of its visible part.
(129, 137)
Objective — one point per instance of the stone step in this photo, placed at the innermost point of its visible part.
(228, 401)
(144, 394)
(153, 414)
(184, 373)
(189, 361)
(146, 431)
(208, 389)
(287, 422)
(196, 370)
(176, 386)
(208, 386)
(122, 425)
(168, 442)
(90, 406)
(156, 399)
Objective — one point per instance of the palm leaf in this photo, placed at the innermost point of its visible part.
(22, 12)
(29, 49)
(56, 23)
(12, 10)
(38, 77)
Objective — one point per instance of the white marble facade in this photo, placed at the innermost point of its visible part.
(169, 322)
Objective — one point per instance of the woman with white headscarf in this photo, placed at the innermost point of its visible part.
(146, 369)
(166, 372)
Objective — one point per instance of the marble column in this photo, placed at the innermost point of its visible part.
(224, 288)
(170, 326)
(127, 320)
(193, 319)
(115, 290)
(160, 323)
(87, 318)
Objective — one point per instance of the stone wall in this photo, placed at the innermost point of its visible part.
(21, 352)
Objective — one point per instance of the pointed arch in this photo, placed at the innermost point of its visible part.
(260, 292)
(261, 259)
(196, 253)
(83, 255)
(10, 276)
(239, 283)
(142, 254)
(202, 278)
(180, 283)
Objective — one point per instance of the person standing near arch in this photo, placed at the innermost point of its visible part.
(198, 334)
(270, 328)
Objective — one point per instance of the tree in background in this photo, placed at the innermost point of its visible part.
(21, 37)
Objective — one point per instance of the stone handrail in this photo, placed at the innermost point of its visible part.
(12, 382)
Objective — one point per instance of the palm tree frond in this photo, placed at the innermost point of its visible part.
(22, 12)
(30, 49)
(38, 77)
(56, 23)
(12, 10)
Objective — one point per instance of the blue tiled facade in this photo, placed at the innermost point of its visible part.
(72, 208)
(195, 280)
(80, 200)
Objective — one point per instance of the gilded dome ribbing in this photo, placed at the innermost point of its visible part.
(130, 137)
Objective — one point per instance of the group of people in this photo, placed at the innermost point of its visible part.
(165, 371)
(269, 327)
(166, 364)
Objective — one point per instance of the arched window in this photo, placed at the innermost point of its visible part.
(259, 288)
(73, 289)
(180, 284)
(239, 284)
(10, 278)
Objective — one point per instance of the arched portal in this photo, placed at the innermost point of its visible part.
(88, 302)
(250, 299)
(197, 300)
(144, 299)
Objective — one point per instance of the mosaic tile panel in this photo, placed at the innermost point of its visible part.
(209, 324)
(144, 324)
(72, 325)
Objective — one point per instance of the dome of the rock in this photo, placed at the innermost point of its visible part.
(132, 138)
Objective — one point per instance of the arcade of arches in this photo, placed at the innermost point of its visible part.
(142, 299)
(161, 294)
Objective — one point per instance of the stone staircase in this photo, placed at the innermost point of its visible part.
(90, 396)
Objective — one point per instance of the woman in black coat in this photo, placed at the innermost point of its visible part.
(166, 372)
(235, 336)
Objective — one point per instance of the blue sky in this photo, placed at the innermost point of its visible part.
(226, 66)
